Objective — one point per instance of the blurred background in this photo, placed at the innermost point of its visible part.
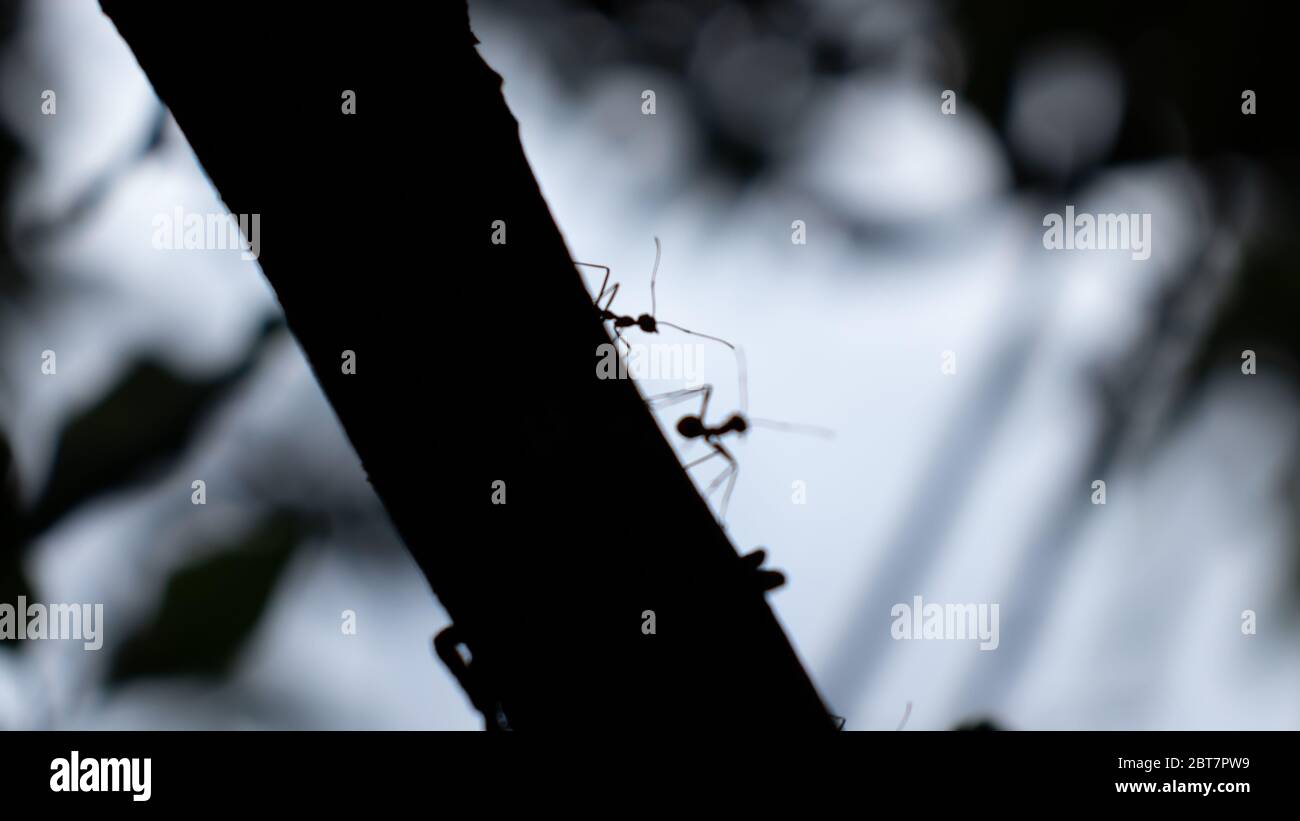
(924, 237)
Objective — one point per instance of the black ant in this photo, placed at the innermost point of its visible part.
(646, 322)
(694, 427)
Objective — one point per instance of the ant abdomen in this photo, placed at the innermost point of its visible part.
(692, 427)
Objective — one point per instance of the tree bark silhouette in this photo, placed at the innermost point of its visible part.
(475, 363)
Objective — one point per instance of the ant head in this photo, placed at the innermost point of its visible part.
(646, 323)
(692, 427)
(736, 423)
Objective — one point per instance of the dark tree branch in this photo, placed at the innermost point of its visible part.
(475, 363)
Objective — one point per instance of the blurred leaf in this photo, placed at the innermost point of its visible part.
(1183, 84)
(1259, 315)
(145, 420)
(211, 606)
(13, 582)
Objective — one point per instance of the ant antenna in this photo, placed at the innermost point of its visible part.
(654, 272)
(696, 333)
(789, 427)
(742, 378)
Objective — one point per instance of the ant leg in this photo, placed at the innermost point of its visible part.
(663, 400)
(626, 350)
(713, 485)
(603, 283)
(718, 480)
(613, 292)
(605, 288)
(726, 494)
(729, 475)
(704, 402)
(703, 458)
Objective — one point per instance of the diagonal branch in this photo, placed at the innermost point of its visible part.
(475, 363)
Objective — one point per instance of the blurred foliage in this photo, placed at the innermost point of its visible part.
(143, 424)
(1184, 66)
(707, 44)
(749, 69)
(11, 275)
(1260, 315)
(211, 606)
(139, 429)
(13, 581)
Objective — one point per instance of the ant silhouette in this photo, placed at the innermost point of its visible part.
(694, 427)
(646, 322)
